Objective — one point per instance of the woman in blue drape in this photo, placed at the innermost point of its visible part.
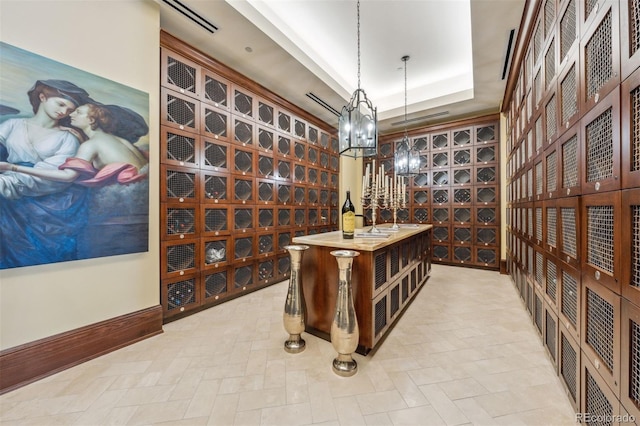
(39, 218)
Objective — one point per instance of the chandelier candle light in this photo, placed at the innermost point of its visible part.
(380, 190)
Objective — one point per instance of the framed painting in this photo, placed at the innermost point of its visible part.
(74, 151)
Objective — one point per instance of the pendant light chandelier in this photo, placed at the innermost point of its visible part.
(358, 123)
(406, 159)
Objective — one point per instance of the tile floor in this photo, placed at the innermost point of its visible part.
(464, 352)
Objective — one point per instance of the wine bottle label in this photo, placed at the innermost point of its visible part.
(349, 222)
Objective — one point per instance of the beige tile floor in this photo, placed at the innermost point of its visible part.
(464, 352)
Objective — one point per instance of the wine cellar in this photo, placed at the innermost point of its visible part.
(573, 225)
(456, 189)
(242, 173)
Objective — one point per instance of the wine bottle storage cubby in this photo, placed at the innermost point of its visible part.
(420, 215)
(487, 257)
(242, 171)
(180, 295)
(462, 235)
(244, 276)
(284, 266)
(568, 92)
(266, 192)
(486, 236)
(601, 238)
(462, 196)
(630, 94)
(462, 176)
(214, 284)
(596, 397)
(266, 270)
(601, 331)
(180, 257)
(569, 365)
(569, 297)
(630, 390)
(601, 155)
(180, 111)
(179, 221)
(216, 124)
(551, 282)
(537, 309)
(215, 252)
(215, 187)
(215, 155)
(631, 244)
(180, 148)
(571, 108)
(456, 188)
(462, 254)
(181, 185)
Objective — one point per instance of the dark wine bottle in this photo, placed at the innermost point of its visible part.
(348, 218)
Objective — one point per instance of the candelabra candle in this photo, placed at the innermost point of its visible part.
(375, 194)
(397, 200)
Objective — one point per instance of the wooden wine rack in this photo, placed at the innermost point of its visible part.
(242, 172)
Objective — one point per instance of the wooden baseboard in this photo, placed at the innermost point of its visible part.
(503, 266)
(32, 361)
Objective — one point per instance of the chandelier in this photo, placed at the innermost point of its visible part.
(358, 123)
(406, 158)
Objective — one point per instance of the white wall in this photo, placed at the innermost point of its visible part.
(117, 40)
(350, 179)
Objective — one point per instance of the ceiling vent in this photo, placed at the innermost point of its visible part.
(424, 117)
(323, 104)
(192, 15)
(507, 56)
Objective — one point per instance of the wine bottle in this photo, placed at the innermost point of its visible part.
(348, 218)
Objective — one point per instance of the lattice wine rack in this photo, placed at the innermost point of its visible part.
(242, 172)
(456, 190)
(573, 195)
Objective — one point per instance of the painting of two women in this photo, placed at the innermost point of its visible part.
(73, 163)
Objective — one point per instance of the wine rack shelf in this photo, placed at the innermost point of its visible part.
(242, 173)
(573, 194)
(456, 190)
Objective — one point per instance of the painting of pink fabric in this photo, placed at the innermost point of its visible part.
(74, 150)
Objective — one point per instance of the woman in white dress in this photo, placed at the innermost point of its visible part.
(107, 156)
(40, 142)
(39, 218)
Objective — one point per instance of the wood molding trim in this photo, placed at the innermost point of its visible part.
(35, 360)
(171, 42)
(470, 121)
(503, 267)
(525, 32)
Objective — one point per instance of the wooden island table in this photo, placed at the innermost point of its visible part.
(385, 278)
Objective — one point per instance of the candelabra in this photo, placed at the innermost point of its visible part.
(379, 190)
(374, 196)
(397, 200)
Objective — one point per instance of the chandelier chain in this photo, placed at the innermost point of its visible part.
(358, 11)
(405, 59)
(405, 94)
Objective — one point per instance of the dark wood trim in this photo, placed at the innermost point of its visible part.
(33, 361)
(525, 32)
(503, 267)
(450, 125)
(630, 177)
(171, 42)
(630, 316)
(630, 199)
